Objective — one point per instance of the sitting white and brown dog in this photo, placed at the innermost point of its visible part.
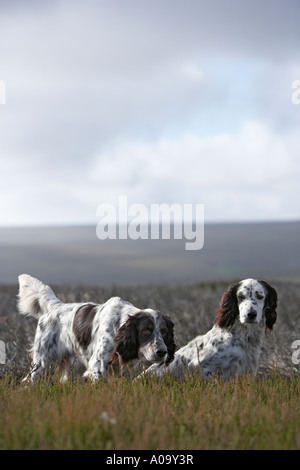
(233, 345)
(96, 334)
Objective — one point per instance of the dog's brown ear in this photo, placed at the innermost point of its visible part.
(169, 339)
(126, 341)
(270, 305)
(228, 310)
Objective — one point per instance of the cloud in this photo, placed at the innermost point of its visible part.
(156, 100)
(252, 161)
(252, 156)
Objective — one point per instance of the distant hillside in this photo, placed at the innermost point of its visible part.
(76, 255)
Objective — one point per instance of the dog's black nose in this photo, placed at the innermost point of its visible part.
(252, 315)
(161, 352)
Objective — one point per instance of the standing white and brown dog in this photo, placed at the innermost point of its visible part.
(233, 345)
(96, 334)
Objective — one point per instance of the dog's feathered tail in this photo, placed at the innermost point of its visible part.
(35, 298)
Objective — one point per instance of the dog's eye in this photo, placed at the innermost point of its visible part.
(163, 331)
(241, 297)
(259, 296)
(147, 331)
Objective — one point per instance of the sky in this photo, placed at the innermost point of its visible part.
(164, 102)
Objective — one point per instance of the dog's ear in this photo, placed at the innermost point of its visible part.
(228, 310)
(126, 341)
(169, 339)
(270, 305)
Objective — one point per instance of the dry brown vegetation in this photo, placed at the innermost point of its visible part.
(192, 307)
(245, 413)
(260, 413)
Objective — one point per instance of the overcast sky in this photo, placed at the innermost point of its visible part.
(169, 101)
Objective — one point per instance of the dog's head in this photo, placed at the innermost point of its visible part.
(251, 301)
(147, 332)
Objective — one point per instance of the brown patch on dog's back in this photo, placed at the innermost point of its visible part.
(83, 323)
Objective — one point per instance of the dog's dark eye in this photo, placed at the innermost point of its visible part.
(259, 296)
(147, 331)
(241, 297)
(163, 331)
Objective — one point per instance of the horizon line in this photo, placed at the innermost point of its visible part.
(90, 224)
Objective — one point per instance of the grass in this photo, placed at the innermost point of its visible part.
(244, 413)
(248, 413)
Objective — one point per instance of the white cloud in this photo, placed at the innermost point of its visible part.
(253, 156)
(155, 100)
(252, 174)
(254, 166)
